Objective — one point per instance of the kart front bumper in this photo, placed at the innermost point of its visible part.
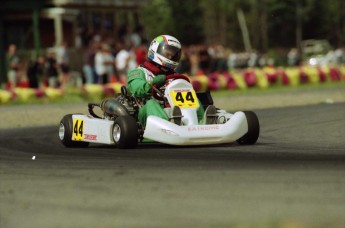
(163, 131)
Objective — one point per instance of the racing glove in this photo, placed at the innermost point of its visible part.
(159, 80)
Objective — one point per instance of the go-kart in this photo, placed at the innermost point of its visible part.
(119, 123)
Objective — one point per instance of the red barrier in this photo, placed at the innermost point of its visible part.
(215, 81)
(250, 78)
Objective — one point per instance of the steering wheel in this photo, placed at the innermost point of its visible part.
(157, 94)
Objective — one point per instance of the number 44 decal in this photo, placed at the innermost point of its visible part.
(189, 97)
(184, 99)
(78, 129)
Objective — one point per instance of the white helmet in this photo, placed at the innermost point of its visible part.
(165, 51)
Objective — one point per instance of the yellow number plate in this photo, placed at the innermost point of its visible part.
(184, 98)
(78, 130)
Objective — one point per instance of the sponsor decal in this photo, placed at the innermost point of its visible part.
(181, 90)
(90, 137)
(135, 74)
(174, 43)
(168, 132)
(203, 128)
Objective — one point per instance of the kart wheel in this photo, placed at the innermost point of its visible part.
(66, 131)
(125, 132)
(253, 129)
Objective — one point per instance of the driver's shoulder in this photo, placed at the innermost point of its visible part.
(136, 72)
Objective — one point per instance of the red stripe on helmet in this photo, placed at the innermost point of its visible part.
(165, 40)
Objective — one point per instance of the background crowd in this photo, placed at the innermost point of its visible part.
(107, 59)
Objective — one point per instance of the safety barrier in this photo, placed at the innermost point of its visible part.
(268, 76)
(234, 79)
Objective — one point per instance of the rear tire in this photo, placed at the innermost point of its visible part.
(66, 131)
(125, 132)
(253, 129)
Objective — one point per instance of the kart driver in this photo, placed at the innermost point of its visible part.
(163, 57)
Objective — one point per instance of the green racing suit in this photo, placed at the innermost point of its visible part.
(138, 84)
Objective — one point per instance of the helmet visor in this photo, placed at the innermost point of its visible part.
(169, 52)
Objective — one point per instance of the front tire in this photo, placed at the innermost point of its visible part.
(66, 131)
(125, 132)
(253, 129)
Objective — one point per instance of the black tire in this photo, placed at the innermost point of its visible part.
(253, 129)
(66, 131)
(125, 132)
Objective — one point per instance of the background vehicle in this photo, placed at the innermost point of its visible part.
(316, 52)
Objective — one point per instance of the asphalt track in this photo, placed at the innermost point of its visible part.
(293, 177)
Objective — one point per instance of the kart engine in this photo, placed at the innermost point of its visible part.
(123, 105)
(113, 108)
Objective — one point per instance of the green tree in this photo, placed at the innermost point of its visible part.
(157, 17)
(271, 23)
(220, 22)
(324, 20)
(187, 17)
(281, 18)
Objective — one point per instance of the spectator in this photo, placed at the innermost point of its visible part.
(253, 59)
(220, 59)
(141, 54)
(135, 38)
(232, 59)
(35, 72)
(63, 63)
(12, 66)
(124, 61)
(195, 67)
(204, 60)
(339, 55)
(51, 68)
(89, 64)
(185, 65)
(104, 62)
(293, 57)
